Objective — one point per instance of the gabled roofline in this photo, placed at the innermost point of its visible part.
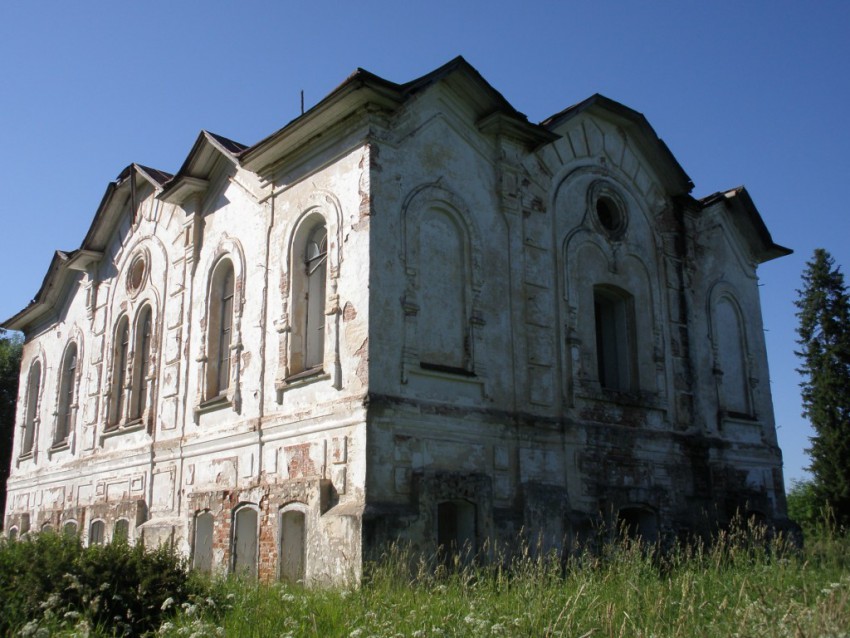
(647, 139)
(194, 174)
(747, 217)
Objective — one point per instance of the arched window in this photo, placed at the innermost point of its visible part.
(33, 392)
(309, 270)
(120, 352)
(220, 329)
(141, 363)
(67, 383)
(97, 533)
(47, 528)
(244, 544)
(121, 531)
(292, 544)
(315, 268)
(202, 551)
(13, 533)
(70, 528)
(615, 343)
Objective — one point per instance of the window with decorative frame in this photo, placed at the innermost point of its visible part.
(140, 384)
(220, 329)
(32, 413)
(120, 354)
(66, 404)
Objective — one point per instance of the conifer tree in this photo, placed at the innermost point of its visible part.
(824, 331)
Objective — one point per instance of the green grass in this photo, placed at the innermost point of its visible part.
(741, 586)
(744, 584)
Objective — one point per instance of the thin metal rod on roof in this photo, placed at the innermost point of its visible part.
(302, 101)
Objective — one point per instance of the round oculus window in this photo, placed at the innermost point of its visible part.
(136, 275)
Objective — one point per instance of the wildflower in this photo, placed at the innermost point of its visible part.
(168, 602)
(356, 633)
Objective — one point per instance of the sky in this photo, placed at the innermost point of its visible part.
(752, 93)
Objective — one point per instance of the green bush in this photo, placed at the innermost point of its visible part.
(49, 580)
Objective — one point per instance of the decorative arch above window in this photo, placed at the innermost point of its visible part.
(442, 260)
(309, 321)
(219, 361)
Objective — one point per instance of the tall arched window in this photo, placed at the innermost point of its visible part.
(202, 552)
(67, 383)
(309, 270)
(220, 333)
(615, 343)
(33, 392)
(120, 352)
(315, 268)
(141, 363)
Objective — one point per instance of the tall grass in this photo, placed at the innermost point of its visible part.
(744, 584)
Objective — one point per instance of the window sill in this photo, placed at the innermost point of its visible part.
(216, 403)
(451, 370)
(306, 376)
(59, 446)
(27, 456)
(630, 398)
(123, 428)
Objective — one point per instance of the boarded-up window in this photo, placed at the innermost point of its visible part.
(442, 323)
(245, 542)
(202, 553)
(292, 547)
(731, 354)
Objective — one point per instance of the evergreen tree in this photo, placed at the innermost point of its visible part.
(824, 331)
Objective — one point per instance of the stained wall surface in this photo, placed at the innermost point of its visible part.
(410, 314)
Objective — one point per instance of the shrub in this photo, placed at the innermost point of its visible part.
(51, 580)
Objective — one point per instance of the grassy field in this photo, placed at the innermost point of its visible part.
(735, 588)
(743, 585)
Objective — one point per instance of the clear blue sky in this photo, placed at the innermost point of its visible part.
(753, 93)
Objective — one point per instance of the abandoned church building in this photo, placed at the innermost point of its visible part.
(408, 314)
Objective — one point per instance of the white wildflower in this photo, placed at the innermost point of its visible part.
(356, 633)
(168, 602)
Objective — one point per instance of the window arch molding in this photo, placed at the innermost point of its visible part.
(319, 206)
(34, 392)
(433, 199)
(624, 253)
(209, 395)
